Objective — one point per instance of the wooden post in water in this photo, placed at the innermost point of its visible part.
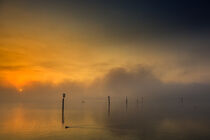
(64, 95)
(126, 103)
(142, 100)
(182, 100)
(137, 100)
(108, 105)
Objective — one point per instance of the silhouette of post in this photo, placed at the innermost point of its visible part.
(126, 103)
(142, 100)
(182, 100)
(137, 101)
(64, 95)
(109, 105)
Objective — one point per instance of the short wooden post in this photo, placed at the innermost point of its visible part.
(137, 100)
(126, 103)
(182, 100)
(142, 100)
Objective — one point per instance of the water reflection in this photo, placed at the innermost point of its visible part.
(161, 122)
(90, 121)
(20, 119)
(109, 109)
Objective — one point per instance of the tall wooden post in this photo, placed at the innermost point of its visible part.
(109, 105)
(64, 95)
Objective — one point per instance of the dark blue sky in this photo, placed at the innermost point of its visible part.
(179, 14)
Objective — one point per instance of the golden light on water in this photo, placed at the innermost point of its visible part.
(21, 120)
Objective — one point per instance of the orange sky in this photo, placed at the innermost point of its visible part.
(37, 45)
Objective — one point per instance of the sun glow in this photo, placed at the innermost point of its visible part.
(21, 78)
(20, 90)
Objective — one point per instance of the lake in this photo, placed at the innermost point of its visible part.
(91, 120)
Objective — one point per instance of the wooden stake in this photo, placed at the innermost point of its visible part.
(64, 95)
(108, 105)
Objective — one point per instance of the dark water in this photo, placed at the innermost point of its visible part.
(147, 121)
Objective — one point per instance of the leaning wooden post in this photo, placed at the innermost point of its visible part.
(108, 105)
(64, 95)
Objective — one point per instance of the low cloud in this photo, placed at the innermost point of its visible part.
(118, 82)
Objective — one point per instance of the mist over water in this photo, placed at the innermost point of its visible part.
(154, 109)
(148, 119)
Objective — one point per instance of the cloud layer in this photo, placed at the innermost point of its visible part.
(117, 83)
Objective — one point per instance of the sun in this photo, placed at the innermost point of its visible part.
(20, 90)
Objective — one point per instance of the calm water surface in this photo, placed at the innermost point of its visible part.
(93, 121)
